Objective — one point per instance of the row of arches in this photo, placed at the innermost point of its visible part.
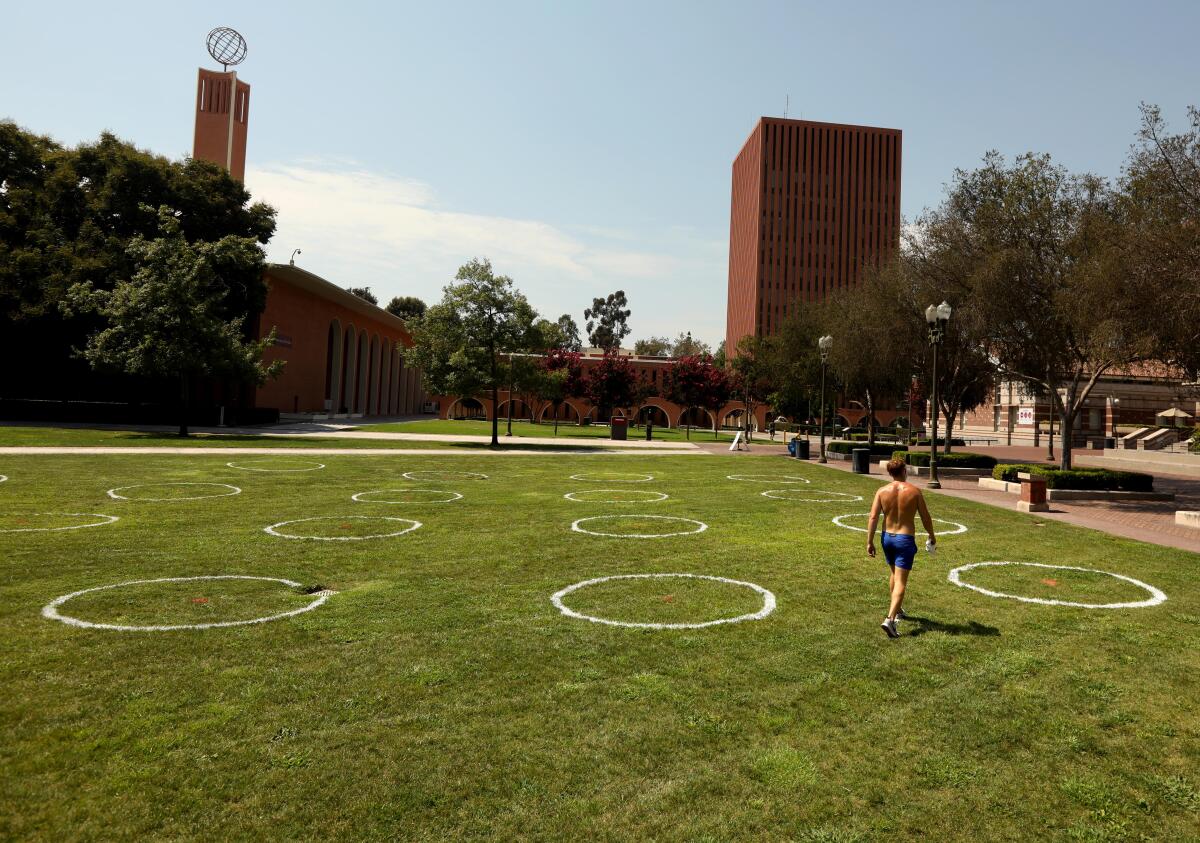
(659, 415)
(365, 374)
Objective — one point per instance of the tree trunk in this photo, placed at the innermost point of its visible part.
(495, 416)
(556, 408)
(1065, 426)
(950, 416)
(183, 404)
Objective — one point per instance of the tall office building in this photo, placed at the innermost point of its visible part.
(813, 205)
(222, 120)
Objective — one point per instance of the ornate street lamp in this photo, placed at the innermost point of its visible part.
(824, 344)
(937, 318)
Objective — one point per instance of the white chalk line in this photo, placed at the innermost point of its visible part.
(769, 478)
(768, 605)
(315, 466)
(111, 519)
(3, 478)
(50, 610)
(454, 496)
(112, 493)
(612, 477)
(662, 496)
(702, 527)
(1156, 595)
(446, 475)
(960, 528)
(414, 525)
(782, 495)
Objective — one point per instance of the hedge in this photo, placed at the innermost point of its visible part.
(879, 449)
(1079, 478)
(964, 460)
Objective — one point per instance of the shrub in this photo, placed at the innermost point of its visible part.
(879, 449)
(966, 460)
(1079, 478)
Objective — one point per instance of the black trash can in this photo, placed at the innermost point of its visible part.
(860, 460)
(649, 431)
(619, 428)
(802, 450)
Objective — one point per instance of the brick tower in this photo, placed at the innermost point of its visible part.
(223, 107)
(813, 205)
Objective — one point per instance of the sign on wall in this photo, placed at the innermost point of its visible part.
(1025, 415)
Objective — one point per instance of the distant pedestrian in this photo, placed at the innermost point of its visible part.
(899, 502)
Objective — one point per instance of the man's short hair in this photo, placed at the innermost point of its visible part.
(897, 467)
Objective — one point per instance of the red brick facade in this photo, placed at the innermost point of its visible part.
(222, 121)
(812, 205)
(343, 353)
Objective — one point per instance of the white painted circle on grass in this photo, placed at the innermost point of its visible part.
(768, 478)
(433, 496)
(434, 474)
(312, 466)
(613, 477)
(958, 528)
(1156, 596)
(3, 478)
(654, 497)
(108, 519)
(112, 493)
(788, 495)
(768, 605)
(700, 526)
(50, 610)
(412, 525)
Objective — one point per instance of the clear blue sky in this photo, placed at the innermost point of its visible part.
(586, 147)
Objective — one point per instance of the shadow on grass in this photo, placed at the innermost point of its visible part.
(925, 625)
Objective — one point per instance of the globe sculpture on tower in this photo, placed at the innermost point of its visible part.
(227, 46)
(223, 105)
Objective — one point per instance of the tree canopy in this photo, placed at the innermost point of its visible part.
(406, 307)
(68, 216)
(169, 318)
(607, 321)
(460, 342)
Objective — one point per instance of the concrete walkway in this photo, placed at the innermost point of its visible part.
(86, 450)
(1147, 521)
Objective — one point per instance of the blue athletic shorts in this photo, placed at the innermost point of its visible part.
(899, 550)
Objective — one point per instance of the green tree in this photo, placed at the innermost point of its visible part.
(684, 346)
(607, 321)
(653, 347)
(562, 378)
(719, 358)
(406, 307)
(68, 216)
(169, 320)
(1041, 261)
(569, 332)
(461, 342)
(753, 375)
(364, 293)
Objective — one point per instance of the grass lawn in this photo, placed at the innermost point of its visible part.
(438, 694)
(18, 436)
(466, 427)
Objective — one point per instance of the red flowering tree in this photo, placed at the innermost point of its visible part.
(561, 378)
(695, 382)
(611, 383)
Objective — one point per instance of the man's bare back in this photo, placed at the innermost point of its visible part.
(899, 502)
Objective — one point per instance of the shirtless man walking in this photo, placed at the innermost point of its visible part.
(900, 502)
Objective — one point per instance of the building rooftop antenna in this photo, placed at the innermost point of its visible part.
(787, 102)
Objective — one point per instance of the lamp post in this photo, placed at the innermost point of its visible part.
(824, 344)
(1116, 406)
(937, 318)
